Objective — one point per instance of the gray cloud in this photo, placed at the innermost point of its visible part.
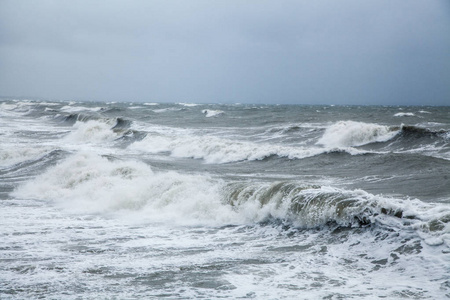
(350, 52)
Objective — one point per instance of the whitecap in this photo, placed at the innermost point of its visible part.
(218, 150)
(351, 133)
(404, 114)
(212, 113)
(162, 110)
(11, 154)
(91, 131)
(73, 109)
(188, 104)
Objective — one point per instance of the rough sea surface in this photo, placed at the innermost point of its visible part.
(186, 201)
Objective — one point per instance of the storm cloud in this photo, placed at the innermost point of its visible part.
(327, 52)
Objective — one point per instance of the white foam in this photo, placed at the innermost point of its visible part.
(8, 106)
(212, 113)
(188, 104)
(350, 133)
(92, 132)
(404, 114)
(162, 110)
(18, 108)
(74, 109)
(11, 154)
(88, 183)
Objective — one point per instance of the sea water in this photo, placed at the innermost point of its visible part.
(192, 201)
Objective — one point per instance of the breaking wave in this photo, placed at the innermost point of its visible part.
(404, 114)
(101, 130)
(92, 132)
(355, 134)
(219, 150)
(212, 113)
(75, 109)
(350, 134)
(89, 183)
(73, 118)
(12, 155)
(94, 184)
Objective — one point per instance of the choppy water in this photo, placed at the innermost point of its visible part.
(184, 201)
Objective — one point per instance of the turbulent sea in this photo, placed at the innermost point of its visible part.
(187, 201)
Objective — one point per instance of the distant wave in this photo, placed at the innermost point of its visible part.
(350, 134)
(212, 113)
(10, 155)
(163, 110)
(19, 107)
(188, 104)
(74, 109)
(404, 114)
(294, 128)
(73, 118)
(354, 134)
(419, 132)
(220, 150)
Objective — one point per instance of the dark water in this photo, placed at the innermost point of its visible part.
(183, 201)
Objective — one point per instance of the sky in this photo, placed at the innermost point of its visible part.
(386, 52)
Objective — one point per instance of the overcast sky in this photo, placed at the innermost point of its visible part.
(309, 52)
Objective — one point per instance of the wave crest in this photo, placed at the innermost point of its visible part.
(351, 133)
(218, 150)
(310, 206)
(92, 132)
(212, 113)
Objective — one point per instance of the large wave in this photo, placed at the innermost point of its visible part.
(90, 183)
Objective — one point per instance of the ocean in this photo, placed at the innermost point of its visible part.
(223, 201)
